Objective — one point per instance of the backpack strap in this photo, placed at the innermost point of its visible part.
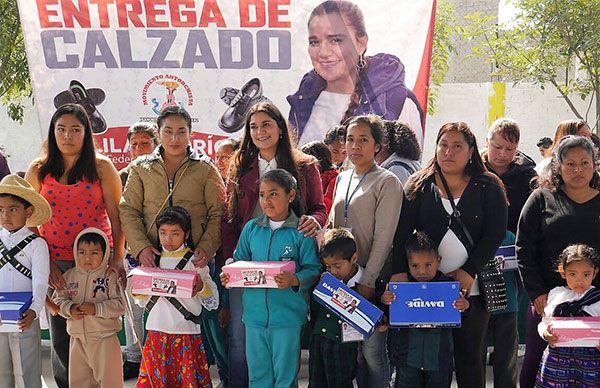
(8, 256)
(575, 308)
(186, 314)
(411, 170)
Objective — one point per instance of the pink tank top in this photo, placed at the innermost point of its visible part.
(74, 208)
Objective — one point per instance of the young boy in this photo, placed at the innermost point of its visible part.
(92, 306)
(422, 357)
(332, 361)
(24, 267)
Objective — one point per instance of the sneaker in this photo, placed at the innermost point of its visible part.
(130, 370)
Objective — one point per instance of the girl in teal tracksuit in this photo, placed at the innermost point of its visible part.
(274, 317)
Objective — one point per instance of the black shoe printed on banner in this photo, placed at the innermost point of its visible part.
(240, 101)
(88, 99)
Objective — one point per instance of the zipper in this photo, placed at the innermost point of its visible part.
(86, 289)
(171, 183)
(267, 290)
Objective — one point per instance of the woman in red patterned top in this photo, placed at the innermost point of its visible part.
(83, 189)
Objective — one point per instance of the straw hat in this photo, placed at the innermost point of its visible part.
(17, 186)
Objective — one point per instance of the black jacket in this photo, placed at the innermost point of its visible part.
(483, 212)
(549, 223)
(518, 185)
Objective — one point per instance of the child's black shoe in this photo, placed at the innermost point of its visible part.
(130, 370)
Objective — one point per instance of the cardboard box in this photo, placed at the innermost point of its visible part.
(256, 274)
(508, 257)
(424, 304)
(12, 307)
(347, 304)
(163, 282)
(577, 331)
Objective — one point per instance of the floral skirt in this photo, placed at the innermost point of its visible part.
(569, 367)
(173, 360)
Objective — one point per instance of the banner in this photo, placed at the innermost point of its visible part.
(125, 60)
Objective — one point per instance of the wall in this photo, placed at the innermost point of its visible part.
(537, 111)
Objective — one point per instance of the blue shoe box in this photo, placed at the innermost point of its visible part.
(12, 307)
(347, 304)
(424, 304)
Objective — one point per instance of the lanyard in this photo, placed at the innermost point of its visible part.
(347, 200)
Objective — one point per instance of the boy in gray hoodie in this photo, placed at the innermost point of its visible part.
(93, 308)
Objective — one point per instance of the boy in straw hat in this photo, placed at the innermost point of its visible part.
(24, 267)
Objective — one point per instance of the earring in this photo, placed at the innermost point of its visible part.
(362, 62)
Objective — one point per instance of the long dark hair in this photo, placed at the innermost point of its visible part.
(355, 19)
(287, 157)
(288, 183)
(475, 167)
(551, 178)
(401, 140)
(85, 166)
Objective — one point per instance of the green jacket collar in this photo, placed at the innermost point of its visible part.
(290, 222)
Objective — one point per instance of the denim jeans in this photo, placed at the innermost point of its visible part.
(373, 362)
(238, 368)
(132, 349)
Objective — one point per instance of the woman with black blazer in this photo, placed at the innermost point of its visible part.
(457, 173)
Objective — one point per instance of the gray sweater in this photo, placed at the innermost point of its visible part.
(373, 214)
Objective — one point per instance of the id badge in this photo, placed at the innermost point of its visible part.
(350, 334)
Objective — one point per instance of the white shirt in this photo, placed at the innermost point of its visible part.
(453, 252)
(558, 295)
(34, 256)
(327, 112)
(275, 224)
(411, 116)
(164, 317)
(265, 166)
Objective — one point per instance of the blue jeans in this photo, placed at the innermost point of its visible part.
(238, 368)
(373, 362)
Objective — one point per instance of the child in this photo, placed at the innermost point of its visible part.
(173, 354)
(274, 317)
(333, 361)
(22, 206)
(93, 307)
(562, 367)
(422, 357)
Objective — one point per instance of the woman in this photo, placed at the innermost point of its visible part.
(172, 175)
(564, 210)
(143, 139)
(516, 170)
(345, 82)
(367, 201)
(567, 127)
(401, 151)
(266, 145)
(83, 189)
(481, 206)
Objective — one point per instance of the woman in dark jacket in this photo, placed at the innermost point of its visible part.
(564, 210)
(479, 198)
(266, 145)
